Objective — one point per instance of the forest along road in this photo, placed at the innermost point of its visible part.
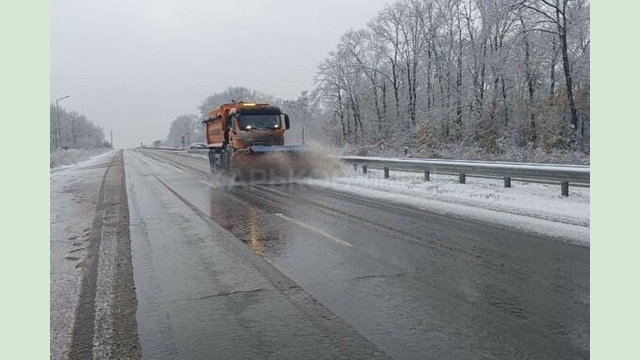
(292, 271)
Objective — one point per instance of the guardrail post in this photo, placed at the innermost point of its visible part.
(386, 173)
(507, 171)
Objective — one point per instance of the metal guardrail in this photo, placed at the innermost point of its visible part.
(198, 151)
(562, 174)
(160, 148)
(194, 151)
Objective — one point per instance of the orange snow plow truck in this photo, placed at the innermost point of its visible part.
(247, 140)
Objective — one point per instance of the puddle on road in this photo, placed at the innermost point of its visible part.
(254, 227)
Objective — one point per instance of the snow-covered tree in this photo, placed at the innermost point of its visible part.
(73, 131)
(470, 73)
(184, 130)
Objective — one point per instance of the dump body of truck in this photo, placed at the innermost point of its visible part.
(238, 133)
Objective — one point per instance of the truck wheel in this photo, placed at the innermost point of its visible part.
(212, 160)
(224, 160)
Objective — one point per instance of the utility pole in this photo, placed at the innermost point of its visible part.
(111, 138)
(58, 132)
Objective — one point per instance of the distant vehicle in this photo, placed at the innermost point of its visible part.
(198, 146)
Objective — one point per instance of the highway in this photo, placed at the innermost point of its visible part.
(294, 271)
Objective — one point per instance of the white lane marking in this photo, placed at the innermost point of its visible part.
(306, 226)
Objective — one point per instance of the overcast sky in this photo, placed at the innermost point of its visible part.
(133, 66)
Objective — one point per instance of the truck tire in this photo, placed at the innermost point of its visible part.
(225, 159)
(212, 160)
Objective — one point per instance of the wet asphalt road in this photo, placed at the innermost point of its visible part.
(389, 280)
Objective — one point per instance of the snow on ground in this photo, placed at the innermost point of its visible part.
(73, 195)
(58, 158)
(532, 207)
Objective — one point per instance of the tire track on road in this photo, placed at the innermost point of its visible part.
(105, 325)
(83, 329)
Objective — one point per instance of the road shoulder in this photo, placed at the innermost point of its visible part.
(92, 294)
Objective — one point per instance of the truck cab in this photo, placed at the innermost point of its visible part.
(259, 125)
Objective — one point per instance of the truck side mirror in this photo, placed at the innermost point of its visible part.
(286, 121)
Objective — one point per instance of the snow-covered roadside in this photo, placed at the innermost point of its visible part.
(531, 207)
(93, 160)
(73, 195)
(60, 158)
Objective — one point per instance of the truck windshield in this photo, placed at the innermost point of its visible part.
(259, 121)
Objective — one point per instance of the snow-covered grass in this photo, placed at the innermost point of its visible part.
(532, 207)
(72, 156)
